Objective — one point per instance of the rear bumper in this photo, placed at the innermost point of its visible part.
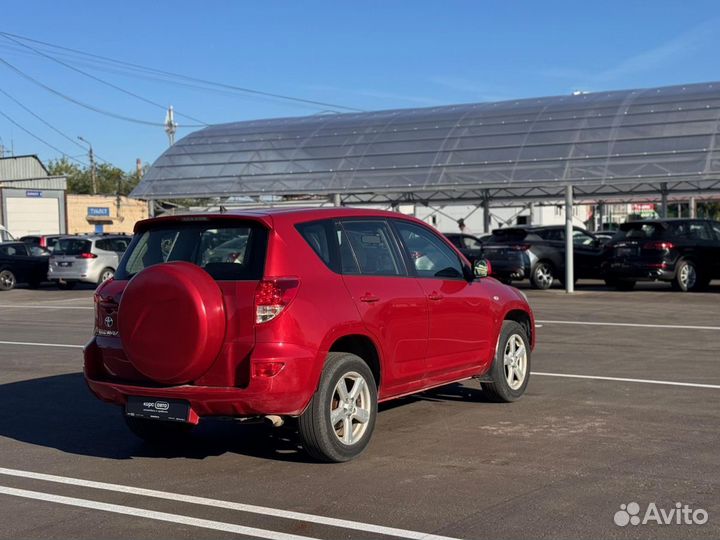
(619, 269)
(79, 273)
(513, 266)
(286, 393)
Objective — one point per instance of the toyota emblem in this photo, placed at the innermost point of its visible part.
(109, 321)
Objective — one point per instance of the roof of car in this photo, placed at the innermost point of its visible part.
(295, 214)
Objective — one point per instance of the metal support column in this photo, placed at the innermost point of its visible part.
(336, 200)
(601, 215)
(531, 207)
(486, 212)
(569, 258)
(664, 199)
(693, 207)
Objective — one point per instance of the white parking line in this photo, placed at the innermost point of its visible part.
(151, 514)
(625, 379)
(241, 507)
(33, 344)
(34, 306)
(636, 325)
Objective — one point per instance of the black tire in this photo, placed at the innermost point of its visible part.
(66, 285)
(500, 389)
(104, 275)
(319, 436)
(687, 277)
(158, 432)
(7, 280)
(542, 276)
(620, 284)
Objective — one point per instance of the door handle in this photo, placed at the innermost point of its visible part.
(435, 296)
(369, 298)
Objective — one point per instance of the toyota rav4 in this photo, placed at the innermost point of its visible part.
(314, 314)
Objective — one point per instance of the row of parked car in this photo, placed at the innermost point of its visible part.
(62, 260)
(683, 252)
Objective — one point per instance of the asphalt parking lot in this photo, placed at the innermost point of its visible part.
(624, 406)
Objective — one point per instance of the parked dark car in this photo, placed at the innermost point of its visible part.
(17, 265)
(538, 254)
(684, 252)
(467, 244)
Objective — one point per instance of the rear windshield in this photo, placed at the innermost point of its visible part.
(225, 250)
(72, 246)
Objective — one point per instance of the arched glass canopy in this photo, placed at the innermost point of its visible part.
(603, 143)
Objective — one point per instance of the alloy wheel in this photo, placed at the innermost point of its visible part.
(350, 408)
(515, 361)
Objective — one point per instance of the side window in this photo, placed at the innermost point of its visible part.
(316, 235)
(119, 244)
(699, 231)
(371, 246)
(554, 235)
(716, 229)
(581, 238)
(430, 255)
(470, 242)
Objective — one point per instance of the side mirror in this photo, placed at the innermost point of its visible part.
(482, 268)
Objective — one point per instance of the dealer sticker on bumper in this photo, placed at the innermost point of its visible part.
(174, 410)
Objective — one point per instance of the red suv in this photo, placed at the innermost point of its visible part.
(316, 314)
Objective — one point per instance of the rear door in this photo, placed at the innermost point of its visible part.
(715, 226)
(391, 303)
(587, 254)
(461, 318)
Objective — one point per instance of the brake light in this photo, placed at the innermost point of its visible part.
(272, 296)
(489, 267)
(43, 241)
(86, 256)
(661, 246)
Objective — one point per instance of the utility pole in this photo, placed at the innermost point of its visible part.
(93, 170)
(170, 125)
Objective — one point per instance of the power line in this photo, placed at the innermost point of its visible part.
(93, 77)
(241, 89)
(48, 124)
(41, 139)
(85, 105)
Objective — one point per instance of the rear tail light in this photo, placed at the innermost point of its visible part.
(489, 267)
(86, 256)
(660, 246)
(43, 241)
(272, 296)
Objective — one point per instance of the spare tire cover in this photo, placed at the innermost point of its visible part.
(171, 322)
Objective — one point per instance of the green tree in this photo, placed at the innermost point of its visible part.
(111, 180)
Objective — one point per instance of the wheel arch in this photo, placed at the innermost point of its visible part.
(524, 319)
(364, 347)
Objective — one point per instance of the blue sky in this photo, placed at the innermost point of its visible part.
(368, 55)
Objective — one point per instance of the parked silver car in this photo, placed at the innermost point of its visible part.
(86, 259)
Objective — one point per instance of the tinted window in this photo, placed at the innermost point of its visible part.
(371, 246)
(227, 251)
(500, 236)
(716, 229)
(103, 244)
(119, 244)
(316, 235)
(470, 242)
(553, 235)
(581, 238)
(691, 230)
(430, 256)
(13, 250)
(72, 246)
